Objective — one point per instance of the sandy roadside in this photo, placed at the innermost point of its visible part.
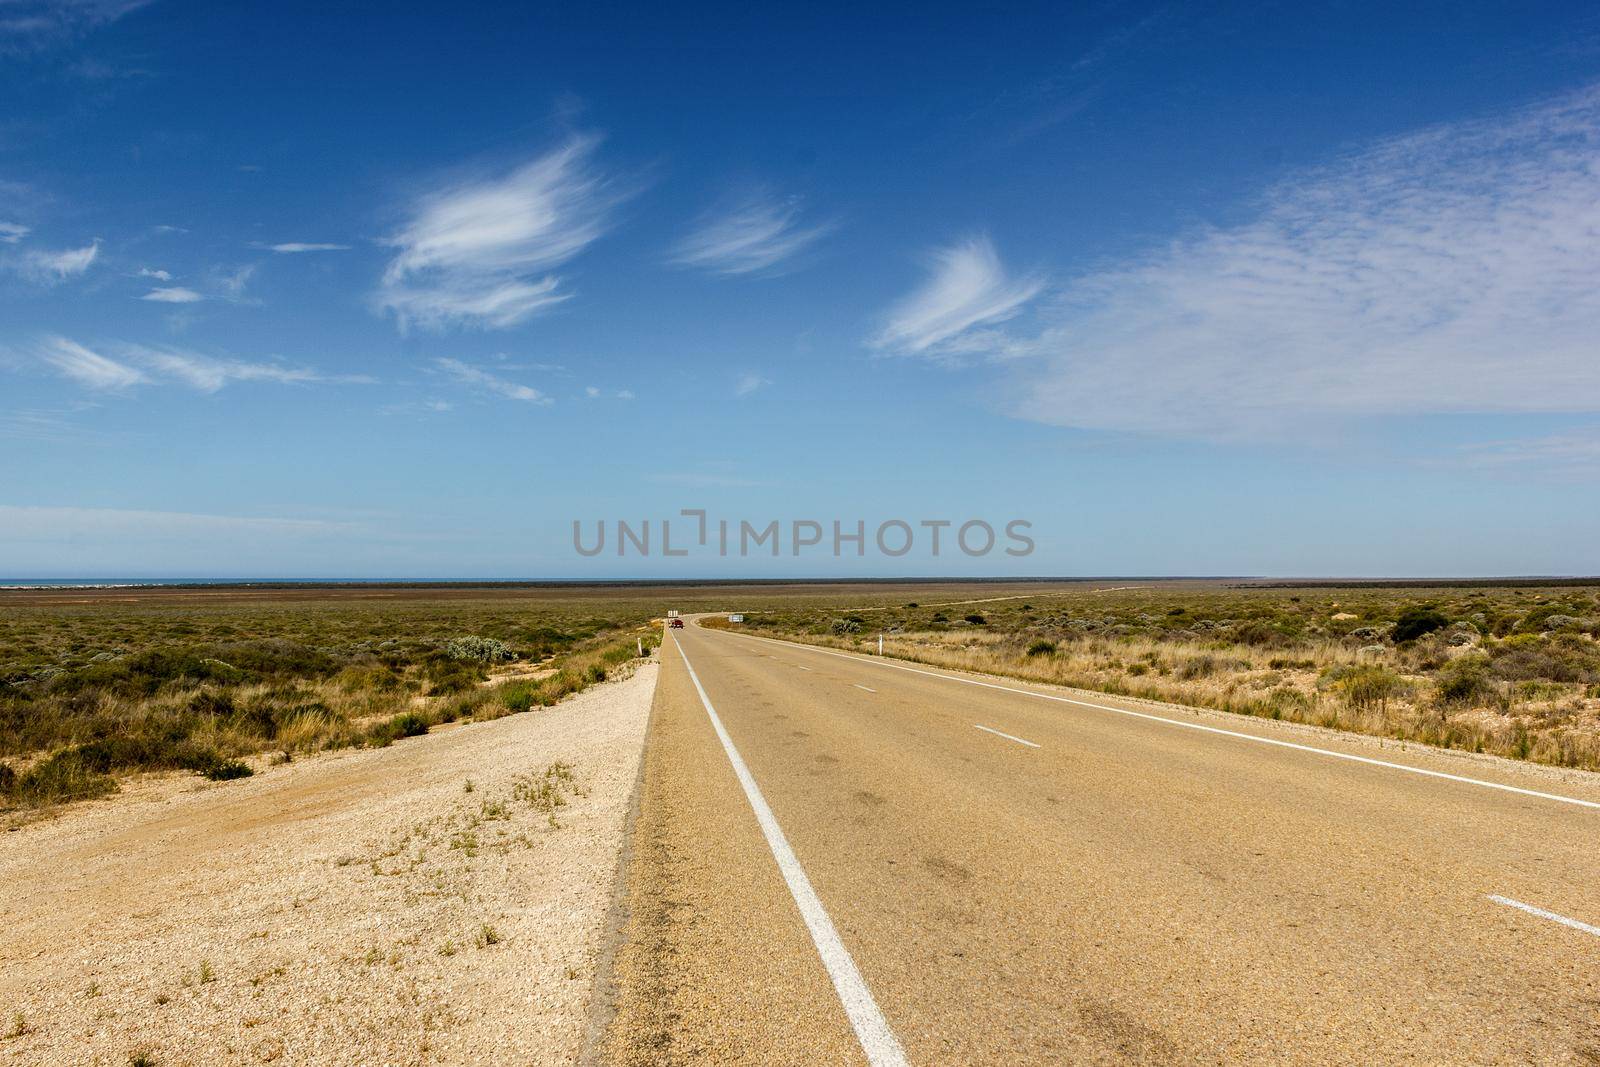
(361, 907)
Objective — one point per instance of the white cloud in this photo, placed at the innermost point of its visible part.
(209, 373)
(749, 383)
(754, 234)
(303, 246)
(35, 24)
(50, 267)
(233, 285)
(158, 275)
(1451, 271)
(136, 364)
(173, 295)
(12, 232)
(474, 253)
(88, 367)
(470, 375)
(968, 289)
(591, 391)
(1570, 453)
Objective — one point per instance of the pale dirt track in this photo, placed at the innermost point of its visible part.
(1127, 891)
(331, 911)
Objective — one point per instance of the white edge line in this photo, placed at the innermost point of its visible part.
(872, 1030)
(802, 668)
(1008, 737)
(1198, 726)
(866, 687)
(1541, 913)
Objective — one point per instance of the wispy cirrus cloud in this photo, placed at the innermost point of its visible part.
(968, 289)
(173, 295)
(1451, 271)
(1569, 454)
(12, 232)
(88, 367)
(750, 382)
(208, 374)
(293, 247)
(128, 365)
(29, 25)
(754, 234)
(157, 275)
(476, 252)
(467, 374)
(52, 267)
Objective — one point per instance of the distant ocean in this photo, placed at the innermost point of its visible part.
(128, 583)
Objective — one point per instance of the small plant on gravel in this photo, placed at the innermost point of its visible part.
(487, 935)
(206, 974)
(141, 1058)
(469, 787)
(92, 990)
(225, 770)
(162, 998)
(19, 1025)
(448, 948)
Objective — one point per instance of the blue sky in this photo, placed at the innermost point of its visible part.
(403, 293)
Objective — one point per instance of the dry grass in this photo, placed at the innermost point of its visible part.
(1491, 675)
(92, 692)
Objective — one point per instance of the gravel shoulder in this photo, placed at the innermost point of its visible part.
(354, 908)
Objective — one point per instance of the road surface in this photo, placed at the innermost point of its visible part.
(843, 859)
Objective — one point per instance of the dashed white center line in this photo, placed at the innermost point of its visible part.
(1200, 727)
(867, 688)
(1541, 913)
(1008, 737)
(803, 668)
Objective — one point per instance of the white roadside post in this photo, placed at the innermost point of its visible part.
(641, 648)
(880, 644)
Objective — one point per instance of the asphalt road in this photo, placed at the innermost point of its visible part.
(951, 872)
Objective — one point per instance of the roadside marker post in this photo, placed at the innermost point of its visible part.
(880, 644)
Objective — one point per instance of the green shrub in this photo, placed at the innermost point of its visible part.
(224, 770)
(452, 676)
(409, 724)
(63, 776)
(1041, 647)
(1415, 622)
(976, 619)
(845, 626)
(1364, 686)
(479, 650)
(1465, 680)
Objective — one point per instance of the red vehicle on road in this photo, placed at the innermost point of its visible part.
(676, 624)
